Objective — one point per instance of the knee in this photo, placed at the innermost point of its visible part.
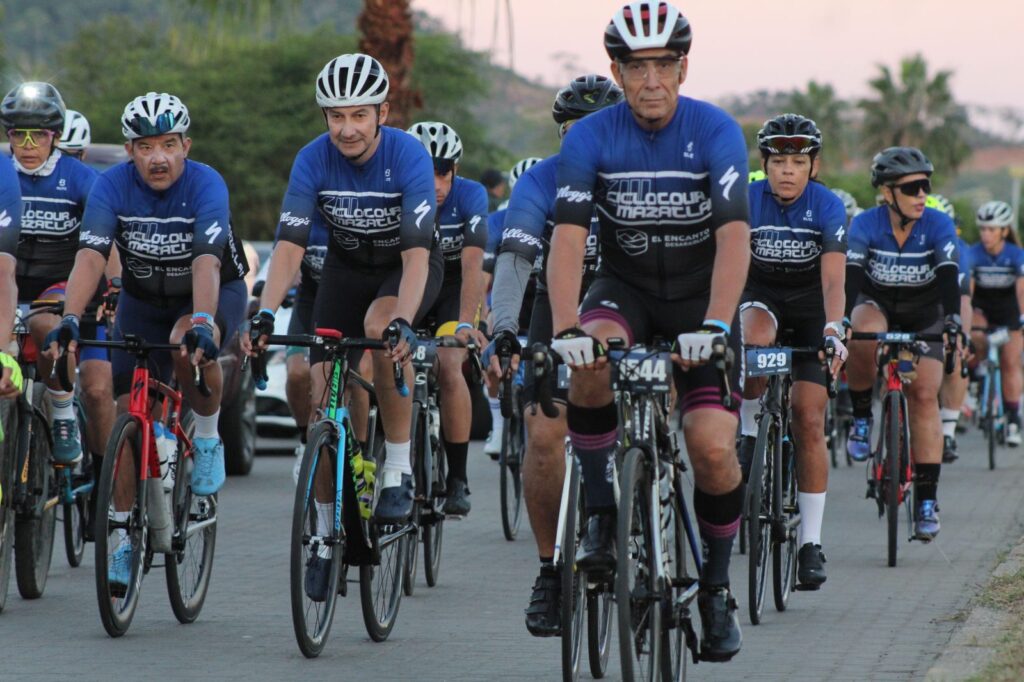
(808, 421)
(374, 327)
(298, 372)
(96, 391)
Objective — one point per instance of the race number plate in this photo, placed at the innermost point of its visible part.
(424, 355)
(641, 371)
(765, 361)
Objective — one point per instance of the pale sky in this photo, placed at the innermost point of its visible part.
(740, 46)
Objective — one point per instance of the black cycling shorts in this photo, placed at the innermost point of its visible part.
(799, 316)
(301, 321)
(645, 317)
(928, 320)
(540, 331)
(999, 311)
(346, 294)
(446, 307)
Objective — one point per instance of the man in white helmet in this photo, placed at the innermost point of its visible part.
(76, 136)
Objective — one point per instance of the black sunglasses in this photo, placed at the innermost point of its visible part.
(914, 187)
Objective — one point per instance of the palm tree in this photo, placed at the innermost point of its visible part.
(918, 111)
(819, 102)
(387, 34)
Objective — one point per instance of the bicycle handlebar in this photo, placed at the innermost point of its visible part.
(907, 338)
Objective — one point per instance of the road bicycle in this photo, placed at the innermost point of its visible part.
(513, 438)
(991, 412)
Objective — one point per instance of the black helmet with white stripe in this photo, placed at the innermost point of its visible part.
(351, 80)
(155, 113)
(645, 25)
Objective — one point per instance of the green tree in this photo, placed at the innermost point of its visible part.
(819, 102)
(919, 110)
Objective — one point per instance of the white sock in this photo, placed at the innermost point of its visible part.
(206, 427)
(121, 517)
(748, 416)
(396, 459)
(812, 511)
(497, 421)
(949, 420)
(62, 404)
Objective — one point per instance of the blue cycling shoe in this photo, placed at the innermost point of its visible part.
(208, 472)
(858, 445)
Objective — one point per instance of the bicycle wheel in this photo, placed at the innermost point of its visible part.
(600, 607)
(312, 618)
(433, 533)
(420, 480)
(34, 528)
(832, 432)
(759, 517)
(189, 567)
(893, 456)
(120, 527)
(8, 453)
(510, 463)
(574, 583)
(991, 421)
(380, 585)
(636, 584)
(75, 515)
(787, 520)
(676, 627)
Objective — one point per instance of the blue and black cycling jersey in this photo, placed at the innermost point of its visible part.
(160, 233)
(51, 217)
(659, 195)
(372, 211)
(10, 208)
(531, 220)
(312, 265)
(920, 274)
(786, 242)
(995, 276)
(965, 267)
(462, 222)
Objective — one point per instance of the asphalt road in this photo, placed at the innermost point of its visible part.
(868, 622)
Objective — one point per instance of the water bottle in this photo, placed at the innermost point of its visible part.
(167, 453)
(364, 476)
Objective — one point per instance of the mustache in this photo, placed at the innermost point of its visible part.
(159, 168)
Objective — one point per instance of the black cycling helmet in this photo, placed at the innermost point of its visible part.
(645, 25)
(585, 95)
(789, 134)
(33, 105)
(894, 162)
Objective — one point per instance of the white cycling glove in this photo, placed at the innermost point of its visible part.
(574, 347)
(697, 346)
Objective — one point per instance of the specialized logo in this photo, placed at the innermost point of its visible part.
(840, 232)
(573, 196)
(473, 222)
(609, 304)
(290, 220)
(948, 250)
(420, 211)
(632, 242)
(5, 220)
(728, 180)
(213, 231)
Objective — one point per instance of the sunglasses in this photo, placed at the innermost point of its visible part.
(26, 137)
(160, 126)
(791, 144)
(636, 69)
(914, 187)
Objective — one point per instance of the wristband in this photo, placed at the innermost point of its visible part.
(836, 327)
(71, 317)
(462, 325)
(268, 311)
(206, 317)
(718, 323)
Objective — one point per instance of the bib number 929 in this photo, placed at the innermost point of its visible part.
(765, 361)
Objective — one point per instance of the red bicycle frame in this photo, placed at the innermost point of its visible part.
(895, 383)
(144, 394)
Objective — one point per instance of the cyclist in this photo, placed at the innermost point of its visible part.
(371, 186)
(954, 386)
(10, 227)
(462, 222)
(54, 188)
(997, 275)
(528, 228)
(75, 138)
(796, 282)
(495, 229)
(902, 274)
(668, 177)
(849, 203)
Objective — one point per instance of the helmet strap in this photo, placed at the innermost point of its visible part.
(895, 207)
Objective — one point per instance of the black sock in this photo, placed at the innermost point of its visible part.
(547, 561)
(861, 403)
(457, 454)
(592, 431)
(718, 517)
(926, 481)
(302, 434)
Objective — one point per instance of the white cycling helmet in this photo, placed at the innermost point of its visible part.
(644, 25)
(76, 135)
(440, 140)
(155, 113)
(849, 202)
(995, 213)
(351, 80)
(520, 168)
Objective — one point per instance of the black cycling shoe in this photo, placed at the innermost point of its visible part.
(543, 615)
(949, 450)
(456, 503)
(721, 637)
(745, 453)
(395, 503)
(596, 553)
(318, 572)
(810, 567)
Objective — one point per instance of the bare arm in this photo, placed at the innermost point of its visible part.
(833, 285)
(8, 300)
(415, 269)
(85, 275)
(564, 270)
(205, 284)
(284, 265)
(113, 268)
(1020, 296)
(729, 276)
(472, 283)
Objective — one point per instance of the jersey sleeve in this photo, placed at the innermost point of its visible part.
(99, 223)
(298, 208)
(212, 227)
(419, 203)
(526, 218)
(475, 209)
(727, 166)
(1018, 263)
(858, 242)
(576, 177)
(833, 225)
(945, 244)
(10, 208)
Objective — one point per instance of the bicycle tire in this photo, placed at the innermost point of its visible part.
(74, 521)
(380, 585)
(784, 502)
(34, 529)
(7, 465)
(675, 650)
(600, 609)
(991, 421)
(759, 514)
(832, 432)
(420, 483)
(433, 533)
(510, 462)
(190, 566)
(322, 445)
(640, 618)
(893, 457)
(123, 457)
(574, 583)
